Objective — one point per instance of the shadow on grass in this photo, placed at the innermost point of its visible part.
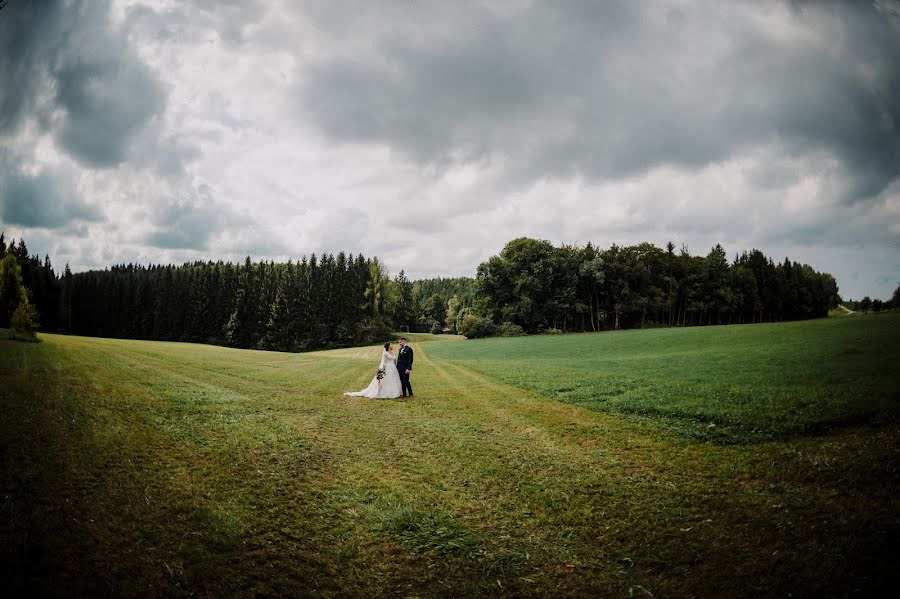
(10, 335)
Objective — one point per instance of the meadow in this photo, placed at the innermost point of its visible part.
(582, 465)
(734, 384)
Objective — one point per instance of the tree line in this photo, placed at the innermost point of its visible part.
(537, 286)
(867, 304)
(319, 302)
(338, 300)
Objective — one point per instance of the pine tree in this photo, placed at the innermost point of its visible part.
(25, 319)
(280, 333)
(10, 288)
(16, 307)
(65, 301)
(404, 311)
(242, 323)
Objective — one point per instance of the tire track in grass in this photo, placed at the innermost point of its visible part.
(559, 429)
(332, 442)
(564, 487)
(641, 481)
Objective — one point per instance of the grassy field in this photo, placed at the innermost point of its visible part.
(142, 468)
(727, 384)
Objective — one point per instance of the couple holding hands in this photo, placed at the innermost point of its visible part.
(392, 377)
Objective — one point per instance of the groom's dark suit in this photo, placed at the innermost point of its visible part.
(404, 363)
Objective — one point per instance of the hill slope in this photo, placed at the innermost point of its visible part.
(142, 468)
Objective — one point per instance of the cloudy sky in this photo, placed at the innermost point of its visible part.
(430, 133)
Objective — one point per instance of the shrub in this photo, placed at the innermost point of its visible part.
(552, 331)
(475, 327)
(510, 329)
(467, 325)
(486, 328)
(373, 330)
(436, 328)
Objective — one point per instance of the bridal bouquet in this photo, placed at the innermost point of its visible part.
(379, 374)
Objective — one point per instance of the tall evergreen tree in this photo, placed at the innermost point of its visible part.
(404, 310)
(10, 285)
(242, 323)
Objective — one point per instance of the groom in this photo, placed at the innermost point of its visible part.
(404, 366)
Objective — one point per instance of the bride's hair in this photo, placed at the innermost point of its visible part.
(387, 345)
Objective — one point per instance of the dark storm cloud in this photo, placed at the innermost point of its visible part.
(64, 64)
(606, 90)
(47, 200)
(22, 27)
(106, 105)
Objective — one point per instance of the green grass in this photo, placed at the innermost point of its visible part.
(726, 384)
(143, 468)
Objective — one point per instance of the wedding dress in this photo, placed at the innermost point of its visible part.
(388, 386)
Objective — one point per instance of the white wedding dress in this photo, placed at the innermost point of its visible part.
(387, 387)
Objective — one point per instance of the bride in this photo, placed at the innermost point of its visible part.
(386, 383)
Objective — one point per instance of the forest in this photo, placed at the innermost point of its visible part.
(338, 300)
(537, 286)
